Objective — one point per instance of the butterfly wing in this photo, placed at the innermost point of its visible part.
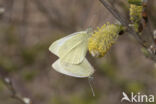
(81, 70)
(74, 50)
(54, 47)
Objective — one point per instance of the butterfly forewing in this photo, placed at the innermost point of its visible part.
(54, 47)
(74, 50)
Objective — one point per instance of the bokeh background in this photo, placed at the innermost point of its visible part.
(28, 27)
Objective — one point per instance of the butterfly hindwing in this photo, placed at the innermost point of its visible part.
(81, 70)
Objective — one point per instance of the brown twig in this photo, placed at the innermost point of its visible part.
(14, 94)
(114, 12)
(23, 27)
(122, 20)
(125, 22)
(53, 15)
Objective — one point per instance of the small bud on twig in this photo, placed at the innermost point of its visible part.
(7, 80)
(26, 100)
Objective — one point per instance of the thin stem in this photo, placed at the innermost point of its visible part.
(125, 22)
(14, 94)
(114, 12)
(122, 20)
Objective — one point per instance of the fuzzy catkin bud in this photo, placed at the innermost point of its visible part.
(136, 2)
(102, 39)
(136, 15)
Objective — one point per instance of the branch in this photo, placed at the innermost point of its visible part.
(49, 13)
(114, 12)
(14, 94)
(125, 22)
(122, 20)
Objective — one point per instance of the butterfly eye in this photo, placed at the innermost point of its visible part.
(136, 2)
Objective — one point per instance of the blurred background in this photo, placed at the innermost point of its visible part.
(28, 27)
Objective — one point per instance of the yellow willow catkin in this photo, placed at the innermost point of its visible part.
(136, 15)
(102, 39)
(136, 2)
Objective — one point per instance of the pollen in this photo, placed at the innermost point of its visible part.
(102, 39)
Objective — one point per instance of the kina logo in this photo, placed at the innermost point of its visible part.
(137, 98)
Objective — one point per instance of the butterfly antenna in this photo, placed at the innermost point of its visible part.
(90, 80)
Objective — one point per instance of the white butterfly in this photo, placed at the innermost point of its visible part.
(71, 51)
(72, 48)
